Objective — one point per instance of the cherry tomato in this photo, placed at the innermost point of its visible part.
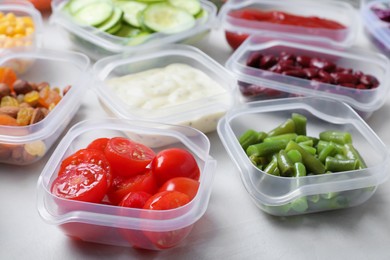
(136, 199)
(235, 39)
(122, 186)
(83, 182)
(183, 184)
(127, 158)
(99, 144)
(174, 162)
(41, 5)
(88, 156)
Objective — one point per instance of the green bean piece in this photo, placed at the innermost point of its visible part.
(337, 165)
(294, 156)
(328, 150)
(338, 137)
(251, 137)
(258, 161)
(299, 169)
(276, 172)
(322, 144)
(340, 156)
(300, 204)
(329, 195)
(266, 149)
(314, 198)
(285, 137)
(300, 123)
(286, 127)
(307, 143)
(351, 153)
(285, 165)
(272, 165)
(302, 138)
(311, 163)
(311, 150)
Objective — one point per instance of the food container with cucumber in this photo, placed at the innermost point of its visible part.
(304, 155)
(104, 27)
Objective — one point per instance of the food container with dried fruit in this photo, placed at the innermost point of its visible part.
(105, 223)
(37, 105)
(129, 26)
(318, 22)
(278, 69)
(176, 84)
(376, 19)
(20, 26)
(324, 126)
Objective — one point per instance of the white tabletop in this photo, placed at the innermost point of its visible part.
(232, 227)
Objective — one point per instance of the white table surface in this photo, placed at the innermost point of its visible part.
(232, 227)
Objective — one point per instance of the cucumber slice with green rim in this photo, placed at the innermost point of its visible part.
(115, 28)
(138, 39)
(201, 14)
(76, 5)
(127, 31)
(191, 6)
(130, 10)
(94, 14)
(112, 21)
(165, 18)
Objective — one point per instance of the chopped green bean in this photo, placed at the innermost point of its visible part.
(294, 156)
(285, 137)
(338, 137)
(286, 127)
(307, 143)
(272, 165)
(351, 153)
(251, 137)
(322, 144)
(300, 204)
(285, 165)
(300, 123)
(329, 150)
(299, 169)
(266, 149)
(337, 165)
(312, 164)
(309, 149)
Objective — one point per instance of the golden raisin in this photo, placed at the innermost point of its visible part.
(24, 116)
(9, 101)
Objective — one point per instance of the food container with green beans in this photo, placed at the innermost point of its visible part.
(303, 155)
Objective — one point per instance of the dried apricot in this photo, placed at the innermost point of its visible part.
(7, 120)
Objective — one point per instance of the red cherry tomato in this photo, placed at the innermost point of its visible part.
(41, 5)
(83, 182)
(174, 162)
(88, 156)
(235, 39)
(122, 186)
(98, 144)
(127, 158)
(182, 184)
(136, 199)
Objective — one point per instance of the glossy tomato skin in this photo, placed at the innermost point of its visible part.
(235, 39)
(88, 156)
(136, 199)
(99, 144)
(174, 162)
(127, 158)
(84, 182)
(121, 186)
(41, 5)
(182, 184)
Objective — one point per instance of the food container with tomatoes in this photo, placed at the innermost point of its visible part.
(331, 23)
(36, 101)
(312, 127)
(279, 69)
(20, 26)
(176, 84)
(376, 20)
(131, 157)
(120, 26)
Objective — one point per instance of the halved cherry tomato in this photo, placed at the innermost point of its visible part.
(88, 156)
(183, 184)
(83, 182)
(174, 162)
(41, 5)
(122, 186)
(99, 144)
(127, 158)
(235, 39)
(136, 199)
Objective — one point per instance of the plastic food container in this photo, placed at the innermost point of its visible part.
(275, 85)
(377, 30)
(202, 112)
(97, 44)
(284, 196)
(122, 226)
(23, 145)
(20, 8)
(237, 29)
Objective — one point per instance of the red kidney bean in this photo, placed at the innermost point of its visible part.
(295, 73)
(369, 81)
(325, 76)
(254, 59)
(322, 64)
(311, 72)
(345, 78)
(304, 61)
(287, 56)
(267, 61)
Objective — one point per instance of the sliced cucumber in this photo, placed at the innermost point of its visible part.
(127, 31)
(76, 5)
(191, 6)
(163, 17)
(150, 1)
(113, 20)
(138, 39)
(130, 10)
(94, 14)
(114, 29)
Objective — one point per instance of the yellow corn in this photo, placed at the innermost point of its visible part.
(15, 27)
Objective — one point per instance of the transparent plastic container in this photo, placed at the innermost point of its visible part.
(276, 85)
(22, 145)
(284, 196)
(121, 226)
(21, 8)
(201, 112)
(377, 30)
(238, 29)
(97, 44)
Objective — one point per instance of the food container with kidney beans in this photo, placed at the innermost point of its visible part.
(37, 102)
(376, 20)
(124, 226)
(331, 23)
(320, 186)
(278, 69)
